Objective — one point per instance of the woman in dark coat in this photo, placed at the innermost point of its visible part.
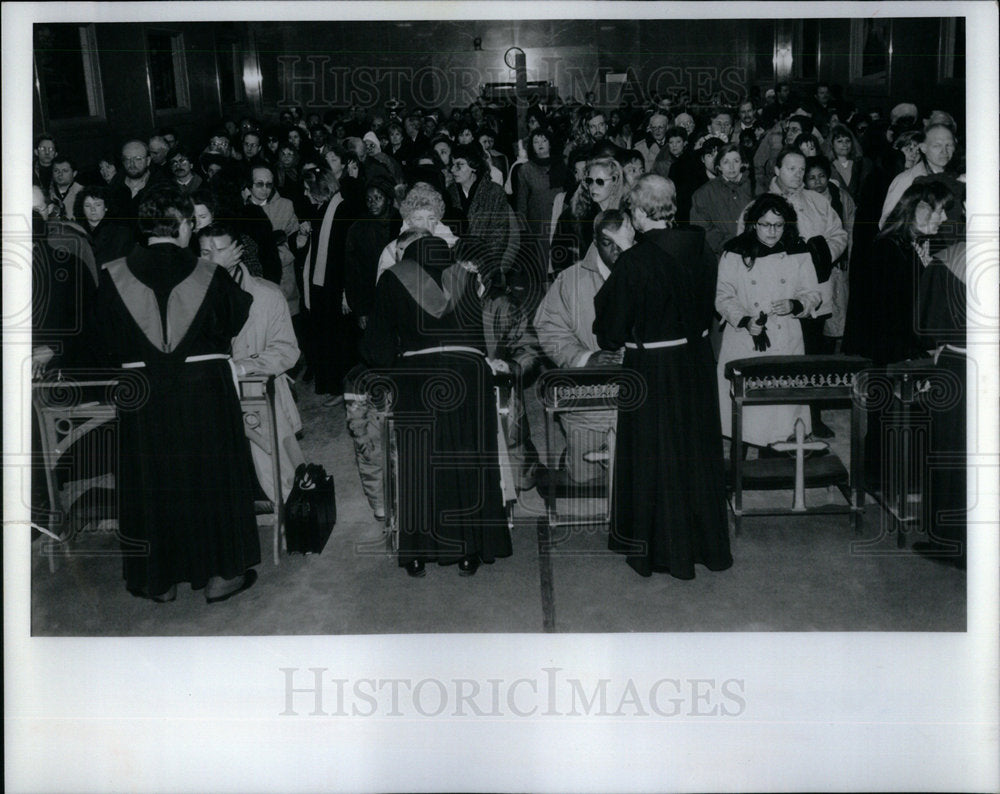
(334, 335)
(669, 500)
(427, 327)
(883, 317)
(366, 239)
(491, 232)
(184, 481)
(110, 238)
(539, 182)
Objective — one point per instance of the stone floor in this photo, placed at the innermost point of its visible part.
(790, 574)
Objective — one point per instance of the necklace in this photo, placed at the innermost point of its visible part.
(923, 251)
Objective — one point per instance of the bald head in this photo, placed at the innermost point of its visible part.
(685, 120)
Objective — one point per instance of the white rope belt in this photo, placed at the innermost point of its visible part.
(951, 349)
(443, 349)
(195, 359)
(188, 360)
(665, 343)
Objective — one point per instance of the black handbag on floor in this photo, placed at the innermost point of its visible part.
(311, 510)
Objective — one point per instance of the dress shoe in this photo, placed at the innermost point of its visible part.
(249, 579)
(468, 566)
(415, 568)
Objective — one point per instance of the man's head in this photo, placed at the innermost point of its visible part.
(261, 183)
(165, 215)
(633, 166)
(597, 125)
(783, 92)
(170, 136)
(721, 123)
(823, 94)
(939, 146)
(216, 244)
(685, 120)
(790, 169)
(748, 114)
(796, 126)
(63, 172)
(251, 144)
(613, 233)
(412, 125)
(45, 150)
(356, 145)
(658, 125)
(135, 159)
(180, 165)
(653, 199)
(677, 138)
(159, 149)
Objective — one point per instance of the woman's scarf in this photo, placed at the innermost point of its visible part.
(315, 269)
(750, 248)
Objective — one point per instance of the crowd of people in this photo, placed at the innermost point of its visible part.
(443, 249)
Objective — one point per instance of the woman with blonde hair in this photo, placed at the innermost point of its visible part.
(602, 188)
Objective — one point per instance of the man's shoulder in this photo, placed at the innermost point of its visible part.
(262, 288)
(279, 204)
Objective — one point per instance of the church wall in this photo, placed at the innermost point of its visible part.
(331, 64)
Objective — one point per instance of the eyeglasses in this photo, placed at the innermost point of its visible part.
(258, 183)
(771, 227)
(134, 159)
(597, 181)
(179, 161)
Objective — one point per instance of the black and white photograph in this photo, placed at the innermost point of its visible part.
(396, 391)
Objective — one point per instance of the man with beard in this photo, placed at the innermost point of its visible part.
(130, 186)
(184, 176)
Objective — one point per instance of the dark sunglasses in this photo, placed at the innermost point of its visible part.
(597, 181)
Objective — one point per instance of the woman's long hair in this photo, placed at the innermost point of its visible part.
(901, 219)
(582, 205)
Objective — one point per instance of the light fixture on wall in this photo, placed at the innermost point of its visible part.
(782, 62)
(477, 44)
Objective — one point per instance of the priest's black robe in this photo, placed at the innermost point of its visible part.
(450, 504)
(669, 502)
(184, 483)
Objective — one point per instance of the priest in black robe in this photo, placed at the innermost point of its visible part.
(426, 329)
(185, 494)
(669, 501)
